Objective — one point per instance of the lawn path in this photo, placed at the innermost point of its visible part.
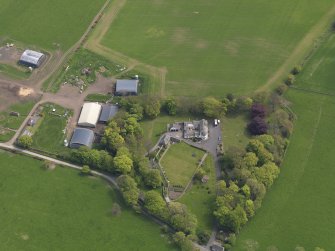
(300, 50)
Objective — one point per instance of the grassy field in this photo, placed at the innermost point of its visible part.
(215, 47)
(298, 210)
(61, 210)
(200, 198)
(13, 72)
(180, 162)
(49, 135)
(42, 23)
(234, 131)
(15, 122)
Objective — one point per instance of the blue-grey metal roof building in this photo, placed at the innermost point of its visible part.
(32, 58)
(82, 137)
(108, 112)
(126, 87)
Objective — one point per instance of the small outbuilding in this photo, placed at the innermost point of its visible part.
(82, 137)
(89, 115)
(32, 58)
(107, 113)
(125, 87)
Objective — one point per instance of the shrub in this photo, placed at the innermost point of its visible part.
(290, 79)
(296, 70)
(281, 89)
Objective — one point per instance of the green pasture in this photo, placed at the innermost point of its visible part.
(62, 210)
(44, 23)
(12, 122)
(13, 72)
(213, 47)
(48, 132)
(299, 209)
(180, 163)
(200, 198)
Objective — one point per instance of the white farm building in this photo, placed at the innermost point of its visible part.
(32, 58)
(89, 115)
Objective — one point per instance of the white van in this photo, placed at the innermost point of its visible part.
(215, 122)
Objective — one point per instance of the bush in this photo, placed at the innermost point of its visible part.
(203, 237)
(296, 70)
(25, 141)
(281, 89)
(86, 170)
(290, 79)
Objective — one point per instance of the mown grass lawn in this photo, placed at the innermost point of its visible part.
(299, 209)
(180, 162)
(213, 47)
(49, 135)
(200, 198)
(61, 210)
(234, 131)
(42, 23)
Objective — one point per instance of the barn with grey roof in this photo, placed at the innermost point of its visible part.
(32, 58)
(126, 87)
(108, 112)
(82, 137)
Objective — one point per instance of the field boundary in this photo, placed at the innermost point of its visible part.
(94, 44)
(300, 50)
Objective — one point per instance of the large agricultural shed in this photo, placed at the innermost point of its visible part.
(89, 115)
(82, 137)
(108, 112)
(32, 58)
(126, 87)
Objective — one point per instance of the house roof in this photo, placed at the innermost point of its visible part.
(126, 85)
(82, 137)
(31, 57)
(89, 114)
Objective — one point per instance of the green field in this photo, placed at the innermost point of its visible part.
(299, 209)
(200, 198)
(42, 23)
(49, 135)
(61, 210)
(180, 163)
(214, 47)
(13, 72)
(6, 120)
